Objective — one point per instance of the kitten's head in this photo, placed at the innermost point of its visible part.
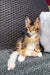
(32, 27)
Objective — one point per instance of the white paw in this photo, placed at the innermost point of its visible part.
(39, 54)
(21, 58)
(11, 65)
(12, 60)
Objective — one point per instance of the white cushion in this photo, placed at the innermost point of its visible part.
(45, 30)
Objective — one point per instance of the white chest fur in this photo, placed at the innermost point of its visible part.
(31, 46)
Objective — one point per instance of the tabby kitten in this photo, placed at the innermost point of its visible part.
(29, 43)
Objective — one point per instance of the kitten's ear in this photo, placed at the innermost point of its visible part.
(37, 21)
(27, 21)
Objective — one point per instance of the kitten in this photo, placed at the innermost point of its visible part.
(29, 43)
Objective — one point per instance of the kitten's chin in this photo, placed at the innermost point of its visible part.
(30, 33)
(33, 35)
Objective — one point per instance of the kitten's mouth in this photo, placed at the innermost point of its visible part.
(30, 33)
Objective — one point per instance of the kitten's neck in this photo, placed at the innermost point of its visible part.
(33, 39)
(34, 36)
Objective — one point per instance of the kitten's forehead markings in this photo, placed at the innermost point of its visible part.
(31, 24)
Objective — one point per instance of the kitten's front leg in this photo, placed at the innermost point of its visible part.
(12, 60)
(39, 53)
(21, 58)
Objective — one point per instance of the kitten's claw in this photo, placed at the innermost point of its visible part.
(21, 58)
(39, 54)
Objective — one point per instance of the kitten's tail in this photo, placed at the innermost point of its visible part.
(41, 47)
(12, 60)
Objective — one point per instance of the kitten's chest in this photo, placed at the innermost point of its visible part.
(31, 46)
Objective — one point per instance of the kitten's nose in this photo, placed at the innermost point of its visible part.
(30, 31)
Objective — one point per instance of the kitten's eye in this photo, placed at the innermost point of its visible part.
(28, 27)
(34, 28)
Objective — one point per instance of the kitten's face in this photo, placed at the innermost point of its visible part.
(32, 27)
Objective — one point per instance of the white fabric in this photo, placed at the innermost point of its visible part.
(45, 30)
